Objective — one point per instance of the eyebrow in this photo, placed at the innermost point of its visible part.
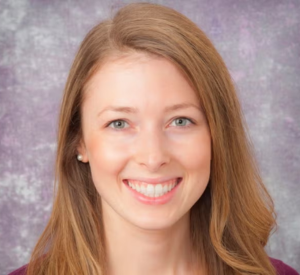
(124, 109)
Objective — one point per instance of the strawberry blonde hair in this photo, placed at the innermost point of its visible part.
(230, 223)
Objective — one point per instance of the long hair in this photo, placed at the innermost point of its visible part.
(230, 223)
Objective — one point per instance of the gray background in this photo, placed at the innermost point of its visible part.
(259, 41)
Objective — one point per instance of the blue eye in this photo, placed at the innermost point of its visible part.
(181, 121)
(118, 124)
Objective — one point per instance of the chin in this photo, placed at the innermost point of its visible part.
(157, 222)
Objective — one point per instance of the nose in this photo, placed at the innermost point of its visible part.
(151, 150)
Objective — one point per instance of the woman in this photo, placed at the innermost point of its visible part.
(155, 174)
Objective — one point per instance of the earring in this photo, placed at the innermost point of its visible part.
(79, 157)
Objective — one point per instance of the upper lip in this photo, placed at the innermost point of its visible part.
(152, 180)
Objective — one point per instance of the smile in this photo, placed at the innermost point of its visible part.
(153, 190)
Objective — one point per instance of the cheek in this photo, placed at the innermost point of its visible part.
(195, 155)
(106, 157)
(197, 164)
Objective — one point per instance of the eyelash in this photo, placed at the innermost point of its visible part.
(123, 120)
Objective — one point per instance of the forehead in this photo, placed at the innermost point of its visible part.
(138, 78)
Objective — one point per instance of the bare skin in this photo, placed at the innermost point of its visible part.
(147, 252)
(159, 134)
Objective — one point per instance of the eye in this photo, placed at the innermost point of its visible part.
(117, 124)
(181, 121)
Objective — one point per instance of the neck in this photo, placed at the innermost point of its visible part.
(133, 250)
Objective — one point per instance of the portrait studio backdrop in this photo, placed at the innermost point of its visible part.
(260, 43)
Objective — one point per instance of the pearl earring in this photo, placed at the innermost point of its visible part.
(79, 157)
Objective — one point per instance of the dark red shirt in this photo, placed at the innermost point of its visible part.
(281, 267)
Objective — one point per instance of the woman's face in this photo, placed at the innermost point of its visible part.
(146, 140)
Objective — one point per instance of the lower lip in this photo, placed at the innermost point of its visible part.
(153, 201)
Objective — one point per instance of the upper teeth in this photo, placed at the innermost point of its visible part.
(152, 190)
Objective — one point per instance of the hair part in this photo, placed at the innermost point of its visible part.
(230, 223)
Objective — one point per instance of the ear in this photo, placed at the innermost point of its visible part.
(81, 150)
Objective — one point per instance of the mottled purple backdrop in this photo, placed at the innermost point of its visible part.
(259, 41)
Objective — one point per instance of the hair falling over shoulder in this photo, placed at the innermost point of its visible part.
(230, 223)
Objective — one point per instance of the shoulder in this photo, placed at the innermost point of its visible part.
(282, 268)
(21, 271)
